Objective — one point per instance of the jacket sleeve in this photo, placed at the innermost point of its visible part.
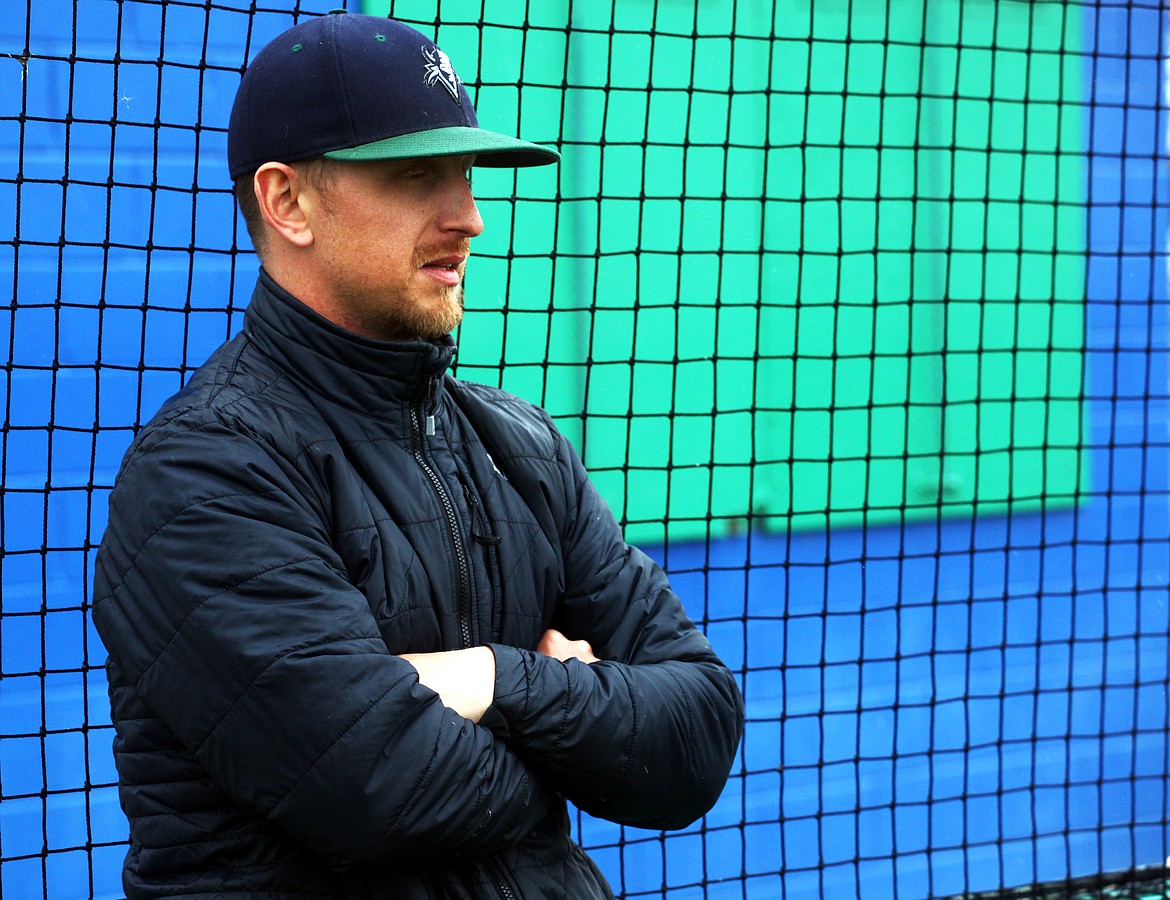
(647, 736)
(218, 594)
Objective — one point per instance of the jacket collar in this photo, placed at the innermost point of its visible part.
(369, 376)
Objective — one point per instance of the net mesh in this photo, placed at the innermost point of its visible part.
(857, 313)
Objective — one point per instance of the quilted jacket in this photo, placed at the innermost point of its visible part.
(313, 503)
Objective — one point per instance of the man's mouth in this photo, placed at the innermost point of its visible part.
(446, 262)
(445, 269)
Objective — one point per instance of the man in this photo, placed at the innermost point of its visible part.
(368, 625)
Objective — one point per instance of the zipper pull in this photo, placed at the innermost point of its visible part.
(430, 421)
(484, 540)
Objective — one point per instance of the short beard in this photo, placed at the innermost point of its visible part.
(398, 316)
(433, 325)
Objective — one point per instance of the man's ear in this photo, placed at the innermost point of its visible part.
(283, 204)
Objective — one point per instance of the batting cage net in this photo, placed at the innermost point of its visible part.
(857, 311)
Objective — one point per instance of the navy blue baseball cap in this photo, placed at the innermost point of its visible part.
(358, 87)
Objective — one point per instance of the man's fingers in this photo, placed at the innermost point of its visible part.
(554, 644)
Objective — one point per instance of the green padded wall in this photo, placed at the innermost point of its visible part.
(798, 281)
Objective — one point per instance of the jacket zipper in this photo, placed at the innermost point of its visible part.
(462, 571)
(481, 533)
(497, 872)
(421, 431)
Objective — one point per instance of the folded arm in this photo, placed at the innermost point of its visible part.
(647, 734)
(465, 680)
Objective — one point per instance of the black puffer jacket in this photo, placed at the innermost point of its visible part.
(285, 526)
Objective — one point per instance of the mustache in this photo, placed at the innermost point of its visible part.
(423, 255)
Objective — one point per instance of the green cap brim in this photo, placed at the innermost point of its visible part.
(489, 148)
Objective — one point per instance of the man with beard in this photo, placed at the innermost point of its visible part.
(369, 626)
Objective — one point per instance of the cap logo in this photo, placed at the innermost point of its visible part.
(438, 69)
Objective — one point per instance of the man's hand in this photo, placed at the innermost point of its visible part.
(465, 680)
(554, 644)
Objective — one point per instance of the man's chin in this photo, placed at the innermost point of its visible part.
(442, 320)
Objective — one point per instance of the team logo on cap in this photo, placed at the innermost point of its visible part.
(439, 69)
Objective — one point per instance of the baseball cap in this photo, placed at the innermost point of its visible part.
(358, 87)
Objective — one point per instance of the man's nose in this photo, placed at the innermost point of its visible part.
(463, 213)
